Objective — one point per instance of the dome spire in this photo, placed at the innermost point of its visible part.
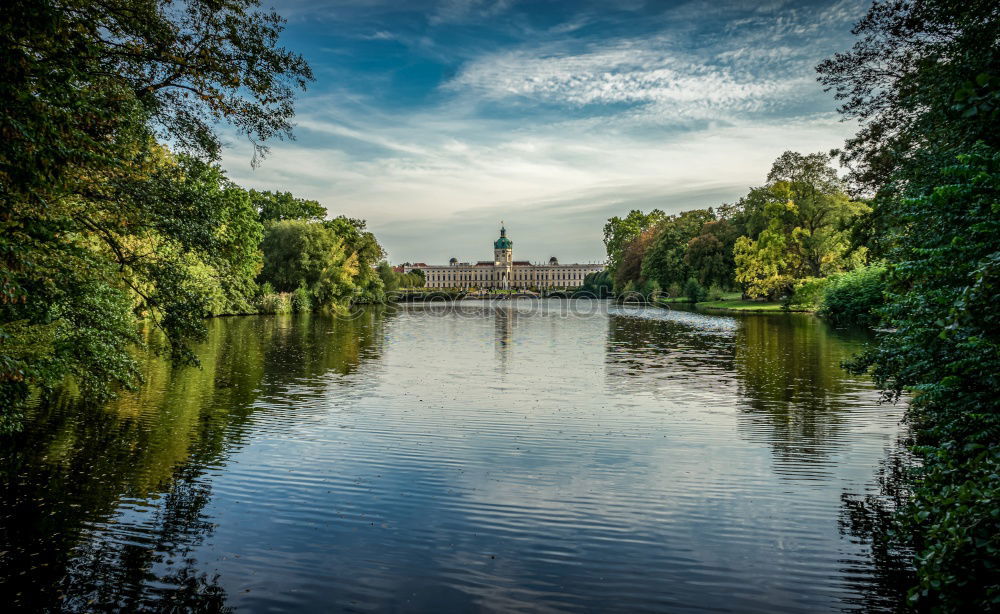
(503, 242)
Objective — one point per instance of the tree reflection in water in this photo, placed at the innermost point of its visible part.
(101, 508)
(883, 580)
(793, 392)
(784, 369)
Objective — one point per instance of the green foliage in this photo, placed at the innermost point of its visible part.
(650, 290)
(301, 301)
(100, 224)
(695, 291)
(413, 279)
(943, 280)
(709, 256)
(597, 285)
(762, 265)
(936, 224)
(855, 298)
(802, 220)
(278, 206)
(938, 97)
(807, 294)
(716, 293)
(391, 280)
(298, 253)
(367, 253)
(664, 258)
(270, 301)
(629, 269)
(620, 232)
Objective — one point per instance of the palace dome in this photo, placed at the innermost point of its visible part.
(503, 242)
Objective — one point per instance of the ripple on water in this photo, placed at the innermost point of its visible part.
(498, 456)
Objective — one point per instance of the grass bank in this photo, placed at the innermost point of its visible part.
(751, 306)
(733, 301)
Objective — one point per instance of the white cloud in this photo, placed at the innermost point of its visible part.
(583, 132)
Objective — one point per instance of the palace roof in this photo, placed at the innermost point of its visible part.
(503, 242)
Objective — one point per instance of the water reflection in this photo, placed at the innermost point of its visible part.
(499, 456)
(794, 395)
(101, 506)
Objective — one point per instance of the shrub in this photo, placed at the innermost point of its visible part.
(274, 303)
(807, 293)
(301, 300)
(651, 290)
(695, 291)
(854, 298)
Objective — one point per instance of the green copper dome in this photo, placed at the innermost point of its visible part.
(503, 242)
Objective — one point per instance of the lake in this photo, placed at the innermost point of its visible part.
(480, 456)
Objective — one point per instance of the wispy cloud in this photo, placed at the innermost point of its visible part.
(553, 129)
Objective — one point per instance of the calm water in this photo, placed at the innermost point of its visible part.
(492, 458)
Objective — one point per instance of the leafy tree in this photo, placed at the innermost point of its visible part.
(922, 81)
(764, 266)
(277, 206)
(92, 211)
(802, 220)
(391, 280)
(620, 232)
(367, 252)
(664, 260)
(855, 298)
(597, 284)
(944, 344)
(629, 269)
(300, 253)
(709, 256)
(695, 291)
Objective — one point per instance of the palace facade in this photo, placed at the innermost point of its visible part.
(503, 272)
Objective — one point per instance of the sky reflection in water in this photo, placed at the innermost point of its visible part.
(497, 456)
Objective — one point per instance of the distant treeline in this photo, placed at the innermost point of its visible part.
(789, 239)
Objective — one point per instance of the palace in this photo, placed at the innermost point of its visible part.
(503, 272)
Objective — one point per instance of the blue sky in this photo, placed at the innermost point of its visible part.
(436, 120)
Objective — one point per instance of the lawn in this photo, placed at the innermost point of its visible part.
(742, 305)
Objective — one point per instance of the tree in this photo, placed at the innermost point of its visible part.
(300, 253)
(695, 291)
(619, 232)
(597, 284)
(664, 259)
(391, 280)
(942, 341)
(764, 266)
(629, 269)
(367, 252)
(709, 256)
(96, 219)
(173, 241)
(921, 80)
(277, 206)
(799, 224)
